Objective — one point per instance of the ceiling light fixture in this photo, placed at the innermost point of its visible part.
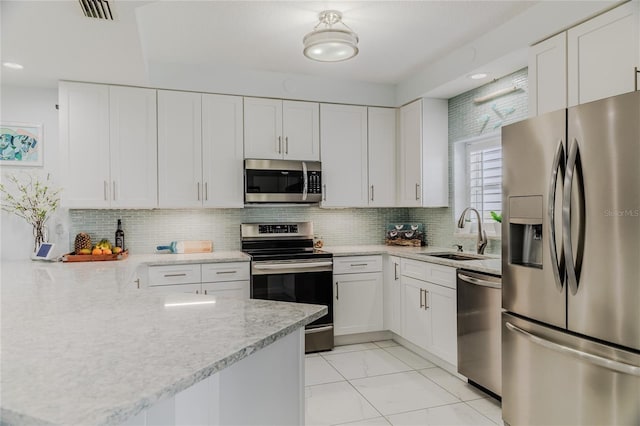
(328, 44)
(12, 65)
(478, 76)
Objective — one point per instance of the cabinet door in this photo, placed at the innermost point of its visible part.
(343, 130)
(222, 151)
(382, 157)
(392, 295)
(548, 75)
(179, 149)
(230, 289)
(410, 164)
(84, 145)
(301, 130)
(602, 54)
(435, 153)
(441, 305)
(263, 128)
(134, 147)
(415, 318)
(357, 304)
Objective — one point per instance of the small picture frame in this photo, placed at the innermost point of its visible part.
(44, 252)
(21, 144)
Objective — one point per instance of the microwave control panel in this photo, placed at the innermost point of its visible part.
(315, 183)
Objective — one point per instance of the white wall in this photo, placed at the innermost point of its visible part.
(31, 105)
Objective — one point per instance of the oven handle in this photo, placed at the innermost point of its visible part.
(288, 268)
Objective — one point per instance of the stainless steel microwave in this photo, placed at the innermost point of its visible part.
(282, 181)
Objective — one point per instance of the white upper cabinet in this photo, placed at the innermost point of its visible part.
(222, 151)
(276, 129)
(180, 149)
(602, 54)
(548, 75)
(423, 179)
(134, 147)
(200, 150)
(382, 157)
(344, 155)
(108, 146)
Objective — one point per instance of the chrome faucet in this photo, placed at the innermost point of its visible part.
(482, 234)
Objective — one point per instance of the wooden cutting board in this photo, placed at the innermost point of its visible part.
(193, 246)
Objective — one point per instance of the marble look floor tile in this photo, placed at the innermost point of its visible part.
(385, 343)
(490, 407)
(336, 403)
(350, 348)
(400, 392)
(451, 415)
(378, 421)
(318, 371)
(373, 362)
(412, 359)
(451, 383)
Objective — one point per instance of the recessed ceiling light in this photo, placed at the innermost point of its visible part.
(12, 65)
(478, 76)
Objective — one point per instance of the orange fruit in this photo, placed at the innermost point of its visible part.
(96, 251)
(106, 251)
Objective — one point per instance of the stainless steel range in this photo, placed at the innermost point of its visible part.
(286, 267)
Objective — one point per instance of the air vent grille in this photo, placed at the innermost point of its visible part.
(99, 9)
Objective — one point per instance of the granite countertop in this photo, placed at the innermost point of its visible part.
(82, 345)
(491, 264)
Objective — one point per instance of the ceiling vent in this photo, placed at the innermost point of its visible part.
(99, 9)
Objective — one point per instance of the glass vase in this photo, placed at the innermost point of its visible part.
(39, 235)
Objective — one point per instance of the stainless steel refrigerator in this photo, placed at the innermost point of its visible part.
(571, 266)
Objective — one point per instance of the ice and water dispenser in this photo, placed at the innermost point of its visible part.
(525, 231)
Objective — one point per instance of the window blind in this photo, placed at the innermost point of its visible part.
(484, 178)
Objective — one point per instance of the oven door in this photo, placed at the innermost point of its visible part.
(302, 281)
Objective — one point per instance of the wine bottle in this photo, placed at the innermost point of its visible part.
(120, 235)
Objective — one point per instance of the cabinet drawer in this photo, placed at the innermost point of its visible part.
(431, 272)
(232, 271)
(174, 274)
(357, 264)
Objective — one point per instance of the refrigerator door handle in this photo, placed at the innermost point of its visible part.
(557, 266)
(609, 364)
(572, 278)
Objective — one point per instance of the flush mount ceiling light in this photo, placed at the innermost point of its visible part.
(328, 44)
(478, 76)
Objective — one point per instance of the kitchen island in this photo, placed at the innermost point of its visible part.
(80, 344)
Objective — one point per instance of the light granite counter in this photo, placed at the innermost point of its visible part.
(491, 264)
(81, 345)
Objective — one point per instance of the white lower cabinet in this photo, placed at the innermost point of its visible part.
(429, 309)
(392, 304)
(357, 295)
(223, 279)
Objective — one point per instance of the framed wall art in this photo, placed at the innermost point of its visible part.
(21, 144)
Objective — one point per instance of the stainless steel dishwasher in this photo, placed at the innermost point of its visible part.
(479, 324)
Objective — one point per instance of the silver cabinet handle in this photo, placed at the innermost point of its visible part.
(105, 189)
(421, 300)
(417, 191)
(305, 181)
(572, 277)
(197, 291)
(358, 264)
(609, 364)
(206, 191)
(226, 272)
(324, 192)
(198, 190)
(395, 271)
(478, 281)
(174, 275)
(137, 282)
(636, 71)
(426, 300)
(337, 290)
(114, 190)
(557, 267)
(371, 192)
(279, 144)
(286, 145)
(205, 292)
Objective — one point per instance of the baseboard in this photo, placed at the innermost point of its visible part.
(429, 356)
(351, 339)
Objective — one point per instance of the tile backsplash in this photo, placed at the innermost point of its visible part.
(145, 229)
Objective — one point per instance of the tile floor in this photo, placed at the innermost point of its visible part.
(381, 383)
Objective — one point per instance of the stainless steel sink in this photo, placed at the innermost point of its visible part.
(455, 256)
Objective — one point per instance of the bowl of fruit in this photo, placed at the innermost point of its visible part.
(85, 251)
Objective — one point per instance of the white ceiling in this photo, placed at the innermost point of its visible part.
(398, 39)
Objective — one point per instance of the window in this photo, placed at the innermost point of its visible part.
(478, 176)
